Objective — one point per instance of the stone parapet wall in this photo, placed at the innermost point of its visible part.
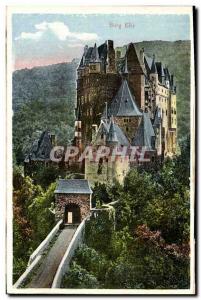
(82, 200)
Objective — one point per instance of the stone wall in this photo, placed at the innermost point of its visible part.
(82, 200)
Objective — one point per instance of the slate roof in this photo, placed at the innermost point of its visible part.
(73, 186)
(112, 135)
(147, 63)
(145, 133)
(41, 148)
(102, 50)
(160, 70)
(123, 104)
(153, 66)
(95, 54)
(116, 134)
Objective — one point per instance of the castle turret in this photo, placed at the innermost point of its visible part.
(112, 139)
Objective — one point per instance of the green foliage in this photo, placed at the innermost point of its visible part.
(98, 232)
(33, 218)
(43, 98)
(105, 193)
(36, 116)
(150, 247)
(41, 214)
(92, 261)
(24, 193)
(79, 278)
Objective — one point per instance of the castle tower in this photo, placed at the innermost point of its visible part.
(153, 72)
(110, 57)
(97, 82)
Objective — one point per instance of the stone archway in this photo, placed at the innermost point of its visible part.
(72, 214)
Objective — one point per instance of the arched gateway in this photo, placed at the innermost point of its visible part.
(72, 200)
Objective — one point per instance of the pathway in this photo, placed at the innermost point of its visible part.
(47, 270)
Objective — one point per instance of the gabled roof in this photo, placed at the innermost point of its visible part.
(147, 63)
(123, 104)
(41, 148)
(153, 66)
(116, 134)
(167, 74)
(102, 50)
(73, 186)
(145, 133)
(160, 70)
(112, 135)
(94, 54)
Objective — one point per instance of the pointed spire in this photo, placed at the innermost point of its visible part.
(94, 54)
(112, 135)
(153, 66)
(124, 104)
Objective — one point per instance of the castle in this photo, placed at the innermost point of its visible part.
(122, 100)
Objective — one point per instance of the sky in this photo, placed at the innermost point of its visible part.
(43, 39)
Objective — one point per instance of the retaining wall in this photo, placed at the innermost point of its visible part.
(45, 243)
(65, 263)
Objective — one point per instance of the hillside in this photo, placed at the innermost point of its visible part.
(44, 97)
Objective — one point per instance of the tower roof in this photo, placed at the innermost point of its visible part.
(95, 54)
(160, 69)
(73, 186)
(112, 135)
(144, 134)
(123, 104)
(41, 148)
(153, 66)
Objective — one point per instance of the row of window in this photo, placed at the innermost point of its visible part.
(126, 120)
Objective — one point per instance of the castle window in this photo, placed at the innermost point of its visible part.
(166, 112)
(127, 129)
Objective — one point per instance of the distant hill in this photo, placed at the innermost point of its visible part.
(44, 97)
(47, 83)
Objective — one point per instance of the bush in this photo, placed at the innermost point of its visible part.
(79, 278)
